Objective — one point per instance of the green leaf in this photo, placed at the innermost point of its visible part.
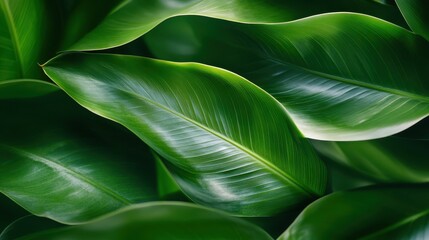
(83, 17)
(399, 158)
(25, 88)
(415, 13)
(158, 220)
(27, 225)
(166, 183)
(227, 143)
(392, 159)
(341, 76)
(59, 161)
(389, 212)
(344, 178)
(133, 18)
(9, 212)
(25, 28)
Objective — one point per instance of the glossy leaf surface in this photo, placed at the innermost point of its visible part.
(228, 144)
(159, 220)
(133, 18)
(390, 212)
(59, 161)
(416, 15)
(24, 37)
(341, 76)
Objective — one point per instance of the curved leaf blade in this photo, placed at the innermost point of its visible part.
(83, 16)
(390, 212)
(9, 212)
(166, 183)
(157, 220)
(228, 144)
(63, 166)
(133, 18)
(27, 225)
(341, 76)
(25, 88)
(392, 159)
(415, 13)
(22, 46)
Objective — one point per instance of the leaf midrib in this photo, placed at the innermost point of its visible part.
(13, 34)
(331, 77)
(397, 224)
(274, 169)
(56, 165)
(264, 162)
(354, 82)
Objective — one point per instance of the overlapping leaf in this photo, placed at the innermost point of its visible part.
(229, 144)
(398, 158)
(341, 76)
(166, 184)
(415, 12)
(9, 212)
(25, 34)
(59, 161)
(392, 159)
(25, 88)
(157, 220)
(390, 212)
(133, 18)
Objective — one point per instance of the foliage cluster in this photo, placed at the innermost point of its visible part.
(214, 119)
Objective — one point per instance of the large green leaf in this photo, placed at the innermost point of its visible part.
(133, 18)
(25, 33)
(390, 212)
(415, 13)
(341, 76)
(157, 220)
(59, 161)
(228, 144)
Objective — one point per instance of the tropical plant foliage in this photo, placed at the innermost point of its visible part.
(214, 119)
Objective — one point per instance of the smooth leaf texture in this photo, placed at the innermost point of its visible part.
(158, 220)
(133, 18)
(25, 88)
(24, 37)
(228, 144)
(415, 13)
(341, 76)
(83, 16)
(166, 184)
(390, 212)
(392, 159)
(59, 161)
